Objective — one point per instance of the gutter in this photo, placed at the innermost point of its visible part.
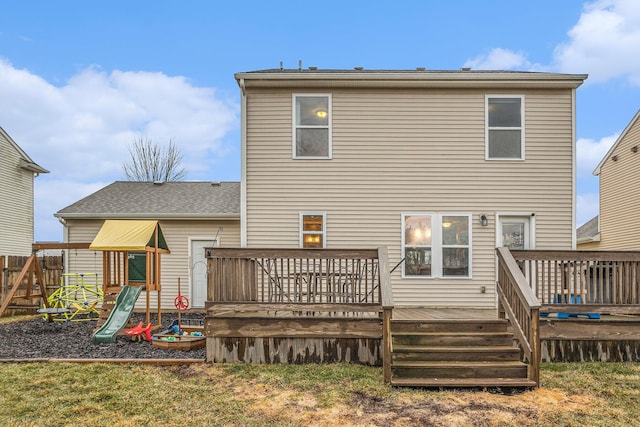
(102, 215)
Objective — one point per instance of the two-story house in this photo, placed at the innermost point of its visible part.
(17, 174)
(616, 228)
(439, 166)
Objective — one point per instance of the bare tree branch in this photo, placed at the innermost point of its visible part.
(151, 162)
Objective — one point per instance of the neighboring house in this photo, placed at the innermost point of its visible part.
(17, 174)
(588, 234)
(619, 173)
(439, 166)
(192, 215)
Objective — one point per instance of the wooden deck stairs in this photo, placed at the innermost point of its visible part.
(456, 353)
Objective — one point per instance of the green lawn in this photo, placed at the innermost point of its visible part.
(39, 394)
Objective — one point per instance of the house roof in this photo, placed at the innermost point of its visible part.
(25, 160)
(407, 78)
(626, 130)
(168, 200)
(589, 231)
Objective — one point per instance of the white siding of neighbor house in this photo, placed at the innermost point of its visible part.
(174, 265)
(418, 150)
(620, 194)
(16, 215)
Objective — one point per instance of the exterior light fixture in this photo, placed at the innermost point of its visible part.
(484, 221)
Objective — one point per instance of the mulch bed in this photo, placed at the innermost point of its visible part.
(39, 339)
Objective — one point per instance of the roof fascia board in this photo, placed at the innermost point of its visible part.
(182, 217)
(26, 161)
(626, 130)
(418, 79)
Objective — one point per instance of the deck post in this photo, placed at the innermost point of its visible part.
(386, 345)
(534, 371)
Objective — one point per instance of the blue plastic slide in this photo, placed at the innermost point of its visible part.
(119, 316)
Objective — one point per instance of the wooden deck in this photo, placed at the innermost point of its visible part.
(431, 313)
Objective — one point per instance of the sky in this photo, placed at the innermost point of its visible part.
(81, 80)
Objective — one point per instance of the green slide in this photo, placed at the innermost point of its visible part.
(119, 316)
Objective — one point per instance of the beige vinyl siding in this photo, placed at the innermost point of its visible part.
(174, 265)
(620, 195)
(410, 151)
(589, 246)
(16, 215)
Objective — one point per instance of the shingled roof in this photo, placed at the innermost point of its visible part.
(168, 200)
(589, 231)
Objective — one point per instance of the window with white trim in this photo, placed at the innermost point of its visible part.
(311, 126)
(312, 230)
(436, 245)
(504, 117)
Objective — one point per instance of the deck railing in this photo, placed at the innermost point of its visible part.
(303, 282)
(599, 281)
(517, 301)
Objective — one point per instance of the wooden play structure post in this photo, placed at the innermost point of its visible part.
(31, 270)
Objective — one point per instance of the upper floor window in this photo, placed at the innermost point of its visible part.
(311, 126)
(504, 127)
(312, 230)
(437, 245)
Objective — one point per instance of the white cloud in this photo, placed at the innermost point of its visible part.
(587, 206)
(604, 43)
(501, 59)
(589, 153)
(81, 131)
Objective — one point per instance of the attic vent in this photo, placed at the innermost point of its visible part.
(465, 69)
(158, 182)
(420, 69)
(634, 149)
(358, 68)
(614, 158)
(313, 68)
(215, 184)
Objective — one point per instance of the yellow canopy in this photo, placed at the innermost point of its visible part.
(127, 235)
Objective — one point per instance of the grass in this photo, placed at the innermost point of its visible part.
(39, 394)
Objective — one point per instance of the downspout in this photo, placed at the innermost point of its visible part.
(573, 169)
(243, 165)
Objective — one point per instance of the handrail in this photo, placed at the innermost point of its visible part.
(302, 281)
(386, 300)
(521, 307)
(604, 280)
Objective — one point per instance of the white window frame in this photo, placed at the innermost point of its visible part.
(301, 231)
(437, 245)
(521, 128)
(295, 127)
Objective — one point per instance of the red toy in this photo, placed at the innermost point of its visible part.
(138, 333)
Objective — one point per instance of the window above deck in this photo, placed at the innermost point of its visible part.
(312, 126)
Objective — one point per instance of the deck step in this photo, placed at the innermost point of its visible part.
(464, 325)
(456, 353)
(462, 382)
(459, 369)
(452, 338)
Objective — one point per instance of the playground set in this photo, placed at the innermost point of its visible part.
(131, 251)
